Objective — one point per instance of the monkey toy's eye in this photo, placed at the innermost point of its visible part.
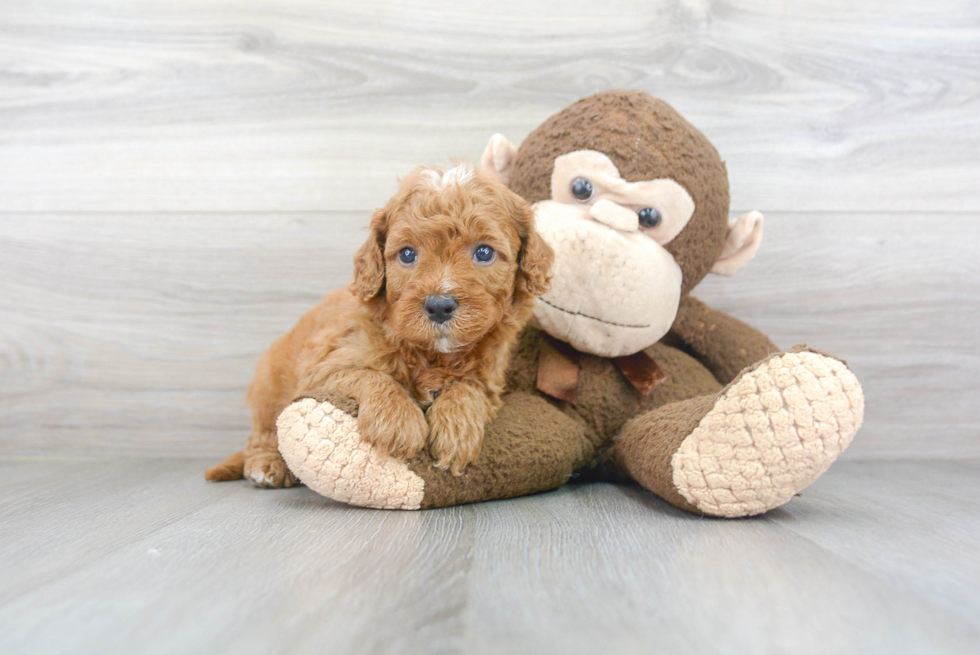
(582, 189)
(484, 254)
(649, 217)
(407, 256)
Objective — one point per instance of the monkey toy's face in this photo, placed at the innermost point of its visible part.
(634, 202)
(614, 284)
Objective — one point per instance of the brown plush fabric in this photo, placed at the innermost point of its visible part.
(725, 345)
(339, 400)
(648, 460)
(538, 443)
(530, 446)
(686, 377)
(647, 139)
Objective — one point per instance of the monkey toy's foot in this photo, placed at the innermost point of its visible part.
(771, 432)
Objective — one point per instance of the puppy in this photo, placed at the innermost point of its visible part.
(422, 337)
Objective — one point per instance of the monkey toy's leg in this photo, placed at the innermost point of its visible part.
(750, 448)
(530, 446)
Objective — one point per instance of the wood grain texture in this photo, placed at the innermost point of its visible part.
(141, 331)
(138, 333)
(301, 105)
(144, 556)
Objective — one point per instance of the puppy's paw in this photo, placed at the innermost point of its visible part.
(394, 425)
(455, 436)
(268, 470)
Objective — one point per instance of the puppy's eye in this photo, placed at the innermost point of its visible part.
(484, 254)
(407, 256)
(582, 189)
(649, 217)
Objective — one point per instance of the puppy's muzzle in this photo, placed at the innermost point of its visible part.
(439, 307)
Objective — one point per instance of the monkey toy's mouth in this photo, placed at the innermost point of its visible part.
(544, 299)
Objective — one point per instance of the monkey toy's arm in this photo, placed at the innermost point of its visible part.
(725, 345)
(530, 446)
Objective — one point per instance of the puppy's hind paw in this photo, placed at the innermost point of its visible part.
(268, 470)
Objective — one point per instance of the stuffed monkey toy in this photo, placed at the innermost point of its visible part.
(623, 374)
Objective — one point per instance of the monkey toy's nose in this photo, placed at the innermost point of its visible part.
(615, 215)
(439, 307)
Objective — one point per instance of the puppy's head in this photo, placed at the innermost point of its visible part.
(451, 255)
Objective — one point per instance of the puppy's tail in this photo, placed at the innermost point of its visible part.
(232, 468)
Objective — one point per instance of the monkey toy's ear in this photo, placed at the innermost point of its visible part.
(744, 237)
(369, 262)
(498, 157)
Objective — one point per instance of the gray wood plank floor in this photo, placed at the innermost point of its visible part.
(141, 555)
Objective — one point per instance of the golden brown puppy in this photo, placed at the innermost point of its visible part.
(422, 336)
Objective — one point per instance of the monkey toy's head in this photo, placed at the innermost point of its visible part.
(634, 202)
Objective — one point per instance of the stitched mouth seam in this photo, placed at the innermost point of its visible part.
(592, 317)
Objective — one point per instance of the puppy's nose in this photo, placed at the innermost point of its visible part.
(439, 307)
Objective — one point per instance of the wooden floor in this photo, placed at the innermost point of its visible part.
(142, 556)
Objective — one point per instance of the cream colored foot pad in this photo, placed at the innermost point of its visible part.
(770, 435)
(321, 445)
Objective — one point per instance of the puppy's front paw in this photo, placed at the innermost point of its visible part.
(394, 425)
(268, 470)
(455, 436)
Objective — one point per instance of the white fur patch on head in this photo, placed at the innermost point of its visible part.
(440, 180)
(447, 284)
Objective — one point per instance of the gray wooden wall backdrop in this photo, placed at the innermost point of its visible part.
(180, 179)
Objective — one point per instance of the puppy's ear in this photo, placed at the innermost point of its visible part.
(369, 262)
(536, 256)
